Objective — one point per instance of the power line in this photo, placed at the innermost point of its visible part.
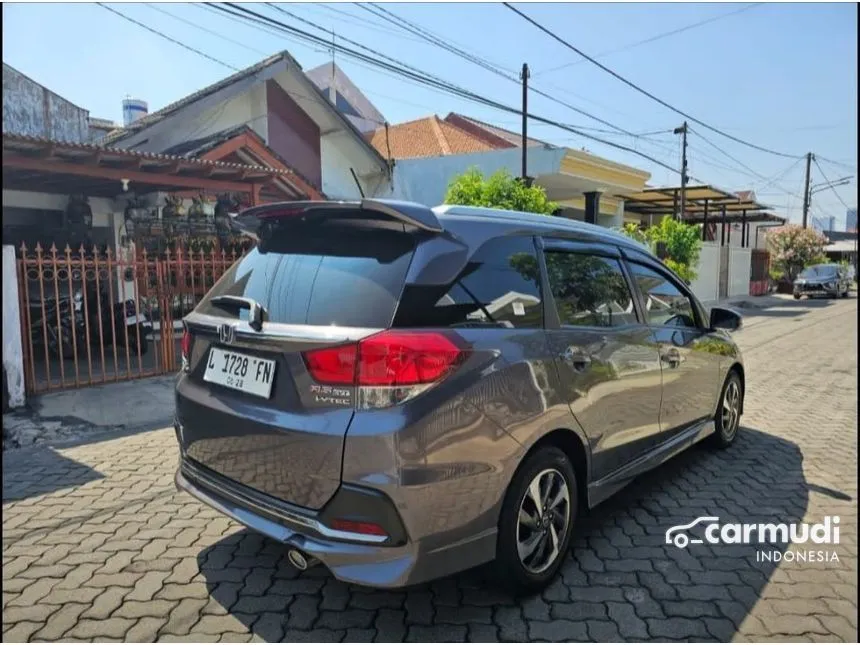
(204, 29)
(477, 60)
(837, 163)
(830, 184)
(418, 75)
(736, 160)
(639, 89)
(166, 37)
(656, 38)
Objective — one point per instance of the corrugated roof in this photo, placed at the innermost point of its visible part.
(24, 142)
(427, 137)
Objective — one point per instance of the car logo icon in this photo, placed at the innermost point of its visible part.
(227, 334)
(676, 535)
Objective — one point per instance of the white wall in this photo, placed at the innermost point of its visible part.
(425, 180)
(13, 352)
(739, 272)
(707, 283)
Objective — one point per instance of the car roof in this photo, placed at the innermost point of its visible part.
(504, 222)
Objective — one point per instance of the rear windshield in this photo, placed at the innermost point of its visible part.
(319, 275)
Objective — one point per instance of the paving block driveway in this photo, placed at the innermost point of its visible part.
(97, 544)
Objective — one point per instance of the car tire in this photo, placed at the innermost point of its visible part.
(551, 468)
(796, 296)
(726, 423)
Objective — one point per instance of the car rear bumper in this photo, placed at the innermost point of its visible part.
(362, 564)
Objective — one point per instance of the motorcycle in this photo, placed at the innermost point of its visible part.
(62, 321)
(121, 317)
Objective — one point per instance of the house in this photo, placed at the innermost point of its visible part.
(277, 102)
(429, 152)
(346, 97)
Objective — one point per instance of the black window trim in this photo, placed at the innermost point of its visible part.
(679, 284)
(552, 320)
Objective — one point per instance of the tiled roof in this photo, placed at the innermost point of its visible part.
(515, 139)
(427, 137)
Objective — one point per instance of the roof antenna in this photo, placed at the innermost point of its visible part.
(357, 183)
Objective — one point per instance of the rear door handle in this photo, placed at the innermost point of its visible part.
(577, 358)
(671, 356)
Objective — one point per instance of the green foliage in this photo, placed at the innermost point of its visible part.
(683, 244)
(794, 248)
(500, 190)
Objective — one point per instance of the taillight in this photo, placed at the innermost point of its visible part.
(186, 349)
(403, 358)
(333, 365)
(395, 359)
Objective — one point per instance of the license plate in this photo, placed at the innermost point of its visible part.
(133, 320)
(240, 372)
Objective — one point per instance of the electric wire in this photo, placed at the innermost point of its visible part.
(616, 75)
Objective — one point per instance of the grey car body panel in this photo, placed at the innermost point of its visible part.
(446, 457)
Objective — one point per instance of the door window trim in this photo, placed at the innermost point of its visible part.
(678, 284)
(552, 319)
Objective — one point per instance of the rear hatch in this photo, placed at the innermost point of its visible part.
(248, 405)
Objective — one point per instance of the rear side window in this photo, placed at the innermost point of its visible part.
(589, 290)
(320, 275)
(499, 287)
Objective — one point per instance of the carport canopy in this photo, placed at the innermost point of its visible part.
(704, 204)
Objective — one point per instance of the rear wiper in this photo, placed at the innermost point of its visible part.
(255, 315)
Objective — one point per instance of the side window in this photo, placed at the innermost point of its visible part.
(499, 287)
(589, 290)
(665, 303)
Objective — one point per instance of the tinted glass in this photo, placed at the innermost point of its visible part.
(499, 287)
(819, 271)
(320, 275)
(665, 303)
(589, 290)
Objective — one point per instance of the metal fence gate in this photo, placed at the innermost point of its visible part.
(81, 312)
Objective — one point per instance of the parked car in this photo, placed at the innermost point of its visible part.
(822, 280)
(401, 393)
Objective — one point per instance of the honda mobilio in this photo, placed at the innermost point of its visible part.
(399, 393)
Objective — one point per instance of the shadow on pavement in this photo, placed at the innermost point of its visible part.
(47, 471)
(620, 569)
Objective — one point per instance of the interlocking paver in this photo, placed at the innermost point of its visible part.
(125, 557)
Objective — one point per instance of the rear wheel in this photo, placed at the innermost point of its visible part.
(728, 417)
(536, 521)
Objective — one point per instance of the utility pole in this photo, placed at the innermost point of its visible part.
(806, 195)
(683, 205)
(524, 76)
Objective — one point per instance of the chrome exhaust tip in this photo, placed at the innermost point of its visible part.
(300, 561)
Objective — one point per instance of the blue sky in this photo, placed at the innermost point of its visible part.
(782, 76)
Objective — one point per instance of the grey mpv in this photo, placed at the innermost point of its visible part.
(400, 393)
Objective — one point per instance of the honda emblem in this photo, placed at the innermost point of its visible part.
(227, 333)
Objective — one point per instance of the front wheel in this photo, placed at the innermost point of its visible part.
(536, 522)
(728, 417)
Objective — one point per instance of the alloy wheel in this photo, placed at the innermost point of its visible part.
(731, 409)
(544, 519)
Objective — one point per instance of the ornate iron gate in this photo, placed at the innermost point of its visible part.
(92, 316)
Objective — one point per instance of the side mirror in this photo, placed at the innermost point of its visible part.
(725, 318)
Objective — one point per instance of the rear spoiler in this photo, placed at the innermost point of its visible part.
(409, 213)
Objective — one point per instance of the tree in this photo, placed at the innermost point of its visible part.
(500, 190)
(682, 243)
(793, 248)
